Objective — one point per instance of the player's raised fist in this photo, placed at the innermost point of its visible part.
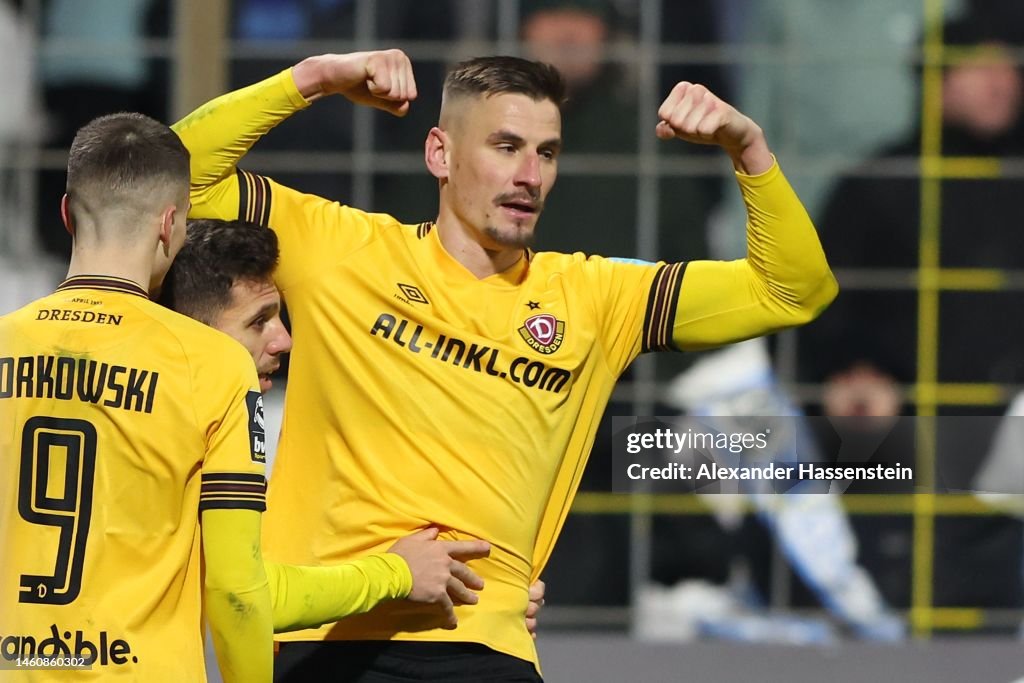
(693, 113)
(382, 79)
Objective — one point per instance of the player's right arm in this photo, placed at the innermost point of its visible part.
(228, 409)
(237, 596)
(219, 133)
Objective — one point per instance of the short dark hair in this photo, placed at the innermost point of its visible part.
(216, 255)
(506, 75)
(119, 157)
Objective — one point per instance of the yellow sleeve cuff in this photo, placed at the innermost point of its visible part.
(759, 179)
(291, 90)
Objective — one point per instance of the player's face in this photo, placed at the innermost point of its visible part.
(503, 164)
(254, 319)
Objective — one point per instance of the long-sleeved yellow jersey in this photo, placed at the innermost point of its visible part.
(421, 395)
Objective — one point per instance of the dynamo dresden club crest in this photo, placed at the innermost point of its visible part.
(544, 333)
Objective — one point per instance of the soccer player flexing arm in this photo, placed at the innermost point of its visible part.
(444, 371)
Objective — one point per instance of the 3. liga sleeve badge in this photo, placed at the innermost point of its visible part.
(257, 428)
(543, 333)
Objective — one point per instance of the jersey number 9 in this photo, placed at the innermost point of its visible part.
(58, 467)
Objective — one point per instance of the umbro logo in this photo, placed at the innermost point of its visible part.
(411, 294)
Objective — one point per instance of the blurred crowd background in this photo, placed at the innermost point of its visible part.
(898, 122)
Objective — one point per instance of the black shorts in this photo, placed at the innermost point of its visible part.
(394, 661)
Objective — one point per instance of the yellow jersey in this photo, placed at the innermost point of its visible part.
(119, 422)
(421, 395)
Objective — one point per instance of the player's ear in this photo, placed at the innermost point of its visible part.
(168, 227)
(65, 215)
(437, 153)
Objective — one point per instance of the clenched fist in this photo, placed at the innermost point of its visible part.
(693, 113)
(381, 79)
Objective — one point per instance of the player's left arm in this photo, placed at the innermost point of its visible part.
(417, 567)
(307, 596)
(784, 280)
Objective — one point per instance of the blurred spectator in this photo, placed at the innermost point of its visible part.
(832, 89)
(598, 213)
(813, 104)
(867, 343)
(869, 339)
(571, 36)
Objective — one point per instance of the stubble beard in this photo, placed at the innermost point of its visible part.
(515, 237)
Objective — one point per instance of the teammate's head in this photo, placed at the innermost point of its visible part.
(127, 188)
(223, 277)
(495, 149)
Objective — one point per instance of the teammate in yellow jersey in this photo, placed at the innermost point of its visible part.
(122, 425)
(444, 372)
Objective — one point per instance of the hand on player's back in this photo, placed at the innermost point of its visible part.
(439, 572)
(533, 607)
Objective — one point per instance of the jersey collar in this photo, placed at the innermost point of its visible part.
(104, 282)
(510, 277)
